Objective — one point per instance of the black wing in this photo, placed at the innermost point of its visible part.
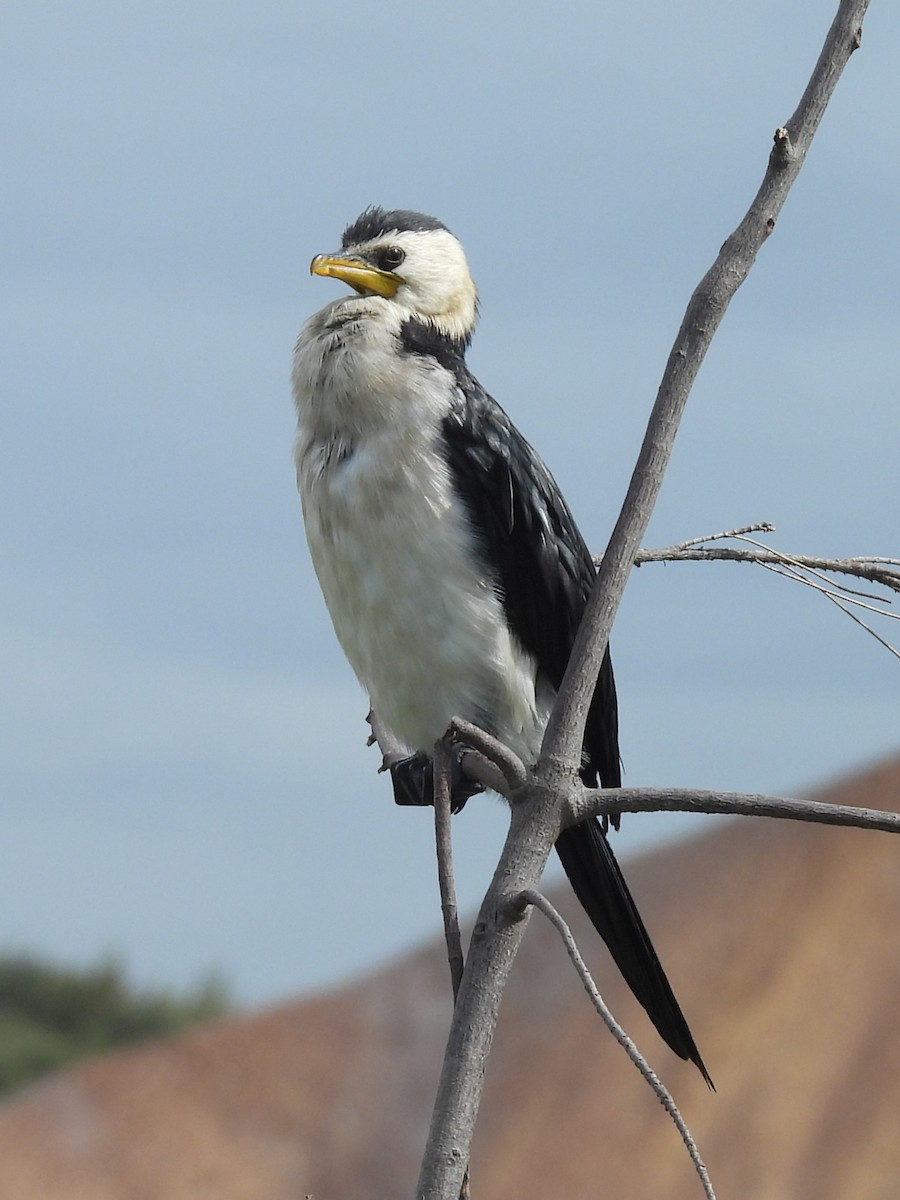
(543, 566)
(544, 570)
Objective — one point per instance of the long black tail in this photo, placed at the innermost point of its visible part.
(600, 886)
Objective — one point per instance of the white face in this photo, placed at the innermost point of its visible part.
(435, 282)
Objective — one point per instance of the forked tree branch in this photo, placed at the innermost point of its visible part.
(537, 812)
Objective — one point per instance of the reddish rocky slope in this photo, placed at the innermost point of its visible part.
(783, 944)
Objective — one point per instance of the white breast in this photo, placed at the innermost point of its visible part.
(415, 612)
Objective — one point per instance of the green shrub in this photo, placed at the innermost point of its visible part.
(51, 1016)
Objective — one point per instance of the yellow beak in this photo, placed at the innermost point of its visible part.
(361, 276)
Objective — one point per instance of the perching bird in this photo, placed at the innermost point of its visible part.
(450, 563)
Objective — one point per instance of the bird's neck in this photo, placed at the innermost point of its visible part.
(435, 340)
(361, 370)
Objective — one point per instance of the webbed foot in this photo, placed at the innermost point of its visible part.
(413, 780)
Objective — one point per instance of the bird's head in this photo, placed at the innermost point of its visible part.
(411, 261)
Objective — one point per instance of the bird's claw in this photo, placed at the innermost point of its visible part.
(413, 780)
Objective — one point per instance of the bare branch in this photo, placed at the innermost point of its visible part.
(444, 846)
(868, 628)
(591, 802)
(540, 902)
(565, 731)
(536, 815)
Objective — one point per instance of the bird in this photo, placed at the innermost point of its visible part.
(452, 568)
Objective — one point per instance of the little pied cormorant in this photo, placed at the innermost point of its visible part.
(450, 563)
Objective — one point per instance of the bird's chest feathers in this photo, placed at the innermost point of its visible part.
(376, 491)
(413, 602)
(377, 509)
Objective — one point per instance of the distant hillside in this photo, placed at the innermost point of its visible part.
(783, 944)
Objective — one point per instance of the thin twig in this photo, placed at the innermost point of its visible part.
(842, 603)
(444, 847)
(540, 902)
(760, 527)
(798, 568)
(393, 751)
(868, 628)
(890, 579)
(791, 568)
(819, 583)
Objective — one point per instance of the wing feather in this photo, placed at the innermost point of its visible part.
(543, 567)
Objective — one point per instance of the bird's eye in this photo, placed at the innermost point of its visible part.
(390, 258)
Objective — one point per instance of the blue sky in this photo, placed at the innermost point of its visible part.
(184, 777)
